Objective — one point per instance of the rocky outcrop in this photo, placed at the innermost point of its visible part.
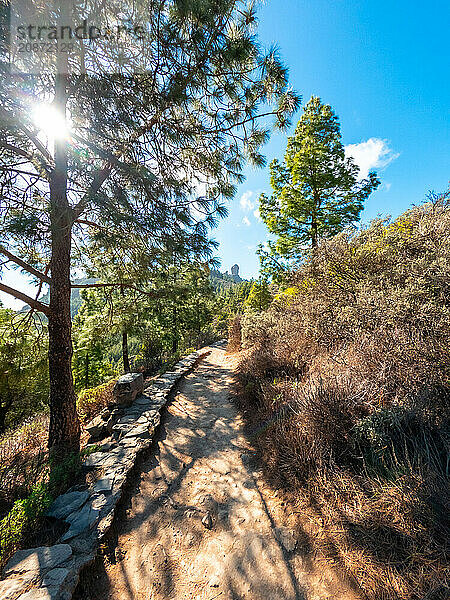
(127, 388)
(52, 572)
(101, 425)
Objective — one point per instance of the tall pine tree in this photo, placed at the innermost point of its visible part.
(165, 131)
(316, 190)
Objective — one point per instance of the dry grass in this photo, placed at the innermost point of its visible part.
(23, 460)
(234, 335)
(347, 385)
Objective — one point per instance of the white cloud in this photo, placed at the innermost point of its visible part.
(246, 221)
(375, 153)
(257, 215)
(246, 203)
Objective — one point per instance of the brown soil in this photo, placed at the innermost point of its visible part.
(248, 545)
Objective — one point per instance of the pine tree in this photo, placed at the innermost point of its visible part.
(316, 190)
(93, 337)
(142, 143)
(259, 296)
(23, 369)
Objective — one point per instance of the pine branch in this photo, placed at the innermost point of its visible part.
(102, 174)
(31, 136)
(89, 223)
(117, 285)
(44, 308)
(15, 149)
(21, 172)
(24, 265)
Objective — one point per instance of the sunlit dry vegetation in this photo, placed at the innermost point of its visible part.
(346, 378)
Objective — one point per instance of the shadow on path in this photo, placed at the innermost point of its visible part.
(199, 523)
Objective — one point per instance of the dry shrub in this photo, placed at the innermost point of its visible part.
(391, 537)
(234, 335)
(346, 388)
(23, 460)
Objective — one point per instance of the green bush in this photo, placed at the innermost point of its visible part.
(396, 441)
(21, 519)
(25, 514)
(91, 401)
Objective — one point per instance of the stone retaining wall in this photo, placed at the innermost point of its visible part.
(52, 572)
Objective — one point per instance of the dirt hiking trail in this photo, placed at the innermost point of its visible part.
(202, 523)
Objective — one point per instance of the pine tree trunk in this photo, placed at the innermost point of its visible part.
(86, 369)
(3, 412)
(64, 429)
(5, 405)
(314, 241)
(125, 357)
(174, 331)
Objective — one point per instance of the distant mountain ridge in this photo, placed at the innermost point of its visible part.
(220, 282)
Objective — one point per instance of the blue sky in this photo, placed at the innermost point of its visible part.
(385, 69)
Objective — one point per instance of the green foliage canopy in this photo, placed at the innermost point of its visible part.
(23, 369)
(316, 190)
(259, 297)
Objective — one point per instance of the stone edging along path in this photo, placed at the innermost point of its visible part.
(52, 572)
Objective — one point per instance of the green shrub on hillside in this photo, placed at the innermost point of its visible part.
(23, 515)
(23, 370)
(26, 514)
(91, 401)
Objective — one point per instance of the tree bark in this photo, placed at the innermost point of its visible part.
(64, 429)
(314, 234)
(86, 369)
(3, 412)
(125, 357)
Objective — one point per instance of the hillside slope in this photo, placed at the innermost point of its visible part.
(346, 378)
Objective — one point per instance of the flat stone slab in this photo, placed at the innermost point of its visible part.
(85, 518)
(104, 485)
(96, 459)
(56, 577)
(37, 559)
(98, 427)
(144, 401)
(137, 431)
(66, 504)
(126, 420)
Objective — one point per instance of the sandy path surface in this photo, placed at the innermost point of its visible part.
(202, 524)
